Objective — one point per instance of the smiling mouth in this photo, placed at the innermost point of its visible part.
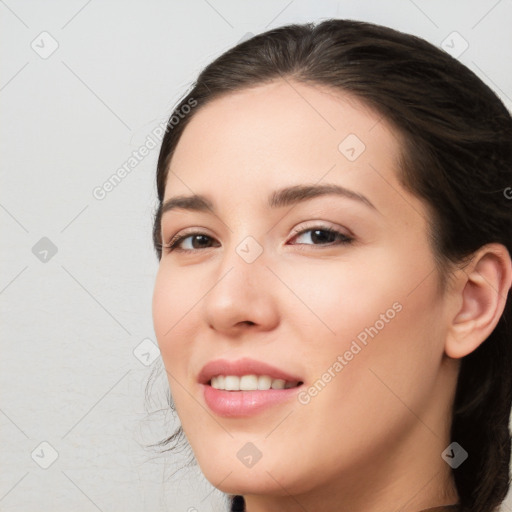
(250, 382)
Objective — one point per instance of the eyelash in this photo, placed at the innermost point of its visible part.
(343, 239)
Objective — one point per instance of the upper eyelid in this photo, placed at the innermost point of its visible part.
(319, 224)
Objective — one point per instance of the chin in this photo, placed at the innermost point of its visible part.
(269, 479)
(262, 485)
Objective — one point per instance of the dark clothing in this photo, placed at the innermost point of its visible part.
(238, 505)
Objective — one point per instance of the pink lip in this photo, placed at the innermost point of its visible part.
(244, 366)
(243, 403)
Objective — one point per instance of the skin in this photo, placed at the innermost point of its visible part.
(372, 439)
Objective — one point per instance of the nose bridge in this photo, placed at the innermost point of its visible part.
(244, 252)
(242, 270)
(241, 292)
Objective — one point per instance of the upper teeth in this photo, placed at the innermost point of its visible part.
(249, 383)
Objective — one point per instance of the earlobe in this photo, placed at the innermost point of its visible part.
(483, 288)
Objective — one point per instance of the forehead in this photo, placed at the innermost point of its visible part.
(281, 133)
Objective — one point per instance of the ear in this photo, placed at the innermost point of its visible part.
(480, 294)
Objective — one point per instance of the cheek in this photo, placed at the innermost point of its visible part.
(362, 403)
(173, 305)
(391, 346)
(336, 300)
(381, 316)
(175, 322)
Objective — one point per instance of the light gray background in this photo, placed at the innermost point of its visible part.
(70, 323)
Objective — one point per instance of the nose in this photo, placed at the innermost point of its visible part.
(241, 296)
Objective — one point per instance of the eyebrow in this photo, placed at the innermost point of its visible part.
(278, 199)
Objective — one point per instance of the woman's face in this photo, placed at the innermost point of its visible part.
(355, 314)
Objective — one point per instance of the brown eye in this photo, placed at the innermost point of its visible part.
(323, 236)
(190, 242)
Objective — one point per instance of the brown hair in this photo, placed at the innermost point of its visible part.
(456, 156)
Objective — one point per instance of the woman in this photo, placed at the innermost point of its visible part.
(334, 232)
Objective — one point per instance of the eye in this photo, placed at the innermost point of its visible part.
(322, 235)
(318, 235)
(190, 242)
